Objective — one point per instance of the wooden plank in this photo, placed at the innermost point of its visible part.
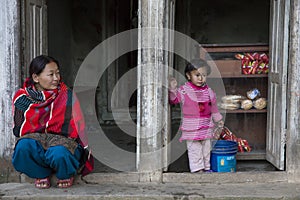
(276, 123)
(229, 68)
(254, 155)
(237, 49)
(233, 44)
(35, 32)
(244, 111)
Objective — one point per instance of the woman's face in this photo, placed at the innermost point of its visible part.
(48, 79)
(198, 76)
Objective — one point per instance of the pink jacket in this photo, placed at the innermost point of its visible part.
(199, 110)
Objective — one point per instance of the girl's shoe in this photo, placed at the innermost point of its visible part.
(65, 183)
(42, 183)
(208, 171)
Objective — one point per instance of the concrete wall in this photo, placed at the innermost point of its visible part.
(10, 79)
(293, 104)
(9, 70)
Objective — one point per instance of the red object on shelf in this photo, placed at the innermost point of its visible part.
(255, 63)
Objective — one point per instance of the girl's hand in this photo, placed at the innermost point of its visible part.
(172, 83)
(218, 129)
(220, 124)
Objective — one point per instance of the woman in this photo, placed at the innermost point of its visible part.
(50, 127)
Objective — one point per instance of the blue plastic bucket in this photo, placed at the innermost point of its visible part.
(223, 156)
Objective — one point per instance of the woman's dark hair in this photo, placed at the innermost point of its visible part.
(39, 63)
(196, 64)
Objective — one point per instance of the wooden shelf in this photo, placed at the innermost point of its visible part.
(240, 76)
(235, 47)
(252, 155)
(243, 111)
(229, 67)
(246, 124)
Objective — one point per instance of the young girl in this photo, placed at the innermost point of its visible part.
(200, 113)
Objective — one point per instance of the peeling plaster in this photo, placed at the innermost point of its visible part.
(9, 70)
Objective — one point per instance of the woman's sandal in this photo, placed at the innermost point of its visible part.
(65, 183)
(42, 183)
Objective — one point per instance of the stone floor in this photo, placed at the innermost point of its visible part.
(246, 191)
(128, 143)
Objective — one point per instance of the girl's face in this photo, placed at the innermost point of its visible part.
(48, 79)
(198, 76)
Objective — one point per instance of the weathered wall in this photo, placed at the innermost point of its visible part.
(9, 81)
(293, 104)
(152, 117)
(9, 70)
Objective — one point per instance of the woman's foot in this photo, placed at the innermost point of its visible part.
(42, 183)
(65, 183)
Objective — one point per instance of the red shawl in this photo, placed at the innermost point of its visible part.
(52, 111)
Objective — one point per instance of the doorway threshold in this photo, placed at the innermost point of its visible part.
(226, 177)
(186, 177)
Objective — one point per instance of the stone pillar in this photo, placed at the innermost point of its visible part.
(9, 69)
(152, 108)
(293, 100)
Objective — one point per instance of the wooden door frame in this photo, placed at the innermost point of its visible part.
(34, 42)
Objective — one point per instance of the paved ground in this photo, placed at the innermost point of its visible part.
(154, 191)
(249, 186)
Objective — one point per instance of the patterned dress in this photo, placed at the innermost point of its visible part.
(199, 110)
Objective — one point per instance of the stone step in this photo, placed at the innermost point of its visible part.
(279, 190)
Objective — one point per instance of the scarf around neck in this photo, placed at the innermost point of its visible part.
(48, 111)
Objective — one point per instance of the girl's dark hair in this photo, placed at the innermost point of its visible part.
(39, 63)
(196, 64)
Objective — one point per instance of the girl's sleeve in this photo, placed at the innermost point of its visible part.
(174, 96)
(216, 115)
